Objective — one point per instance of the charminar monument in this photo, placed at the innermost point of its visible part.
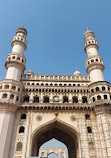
(74, 109)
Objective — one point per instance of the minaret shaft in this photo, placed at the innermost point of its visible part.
(91, 52)
(18, 49)
(13, 73)
(96, 75)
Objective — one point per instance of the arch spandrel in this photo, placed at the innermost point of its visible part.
(51, 123)
(48, 117)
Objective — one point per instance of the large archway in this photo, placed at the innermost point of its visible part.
(60, 131)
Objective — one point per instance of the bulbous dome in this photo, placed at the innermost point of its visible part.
(21, 29)
(77, 73)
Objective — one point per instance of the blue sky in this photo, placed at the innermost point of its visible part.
(55, 33)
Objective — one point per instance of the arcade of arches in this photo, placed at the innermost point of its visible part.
(55, 152)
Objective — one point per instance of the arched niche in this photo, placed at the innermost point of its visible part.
(58, 130)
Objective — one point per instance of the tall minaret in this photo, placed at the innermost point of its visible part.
(99, 94)
(94, 63)
(11, 89)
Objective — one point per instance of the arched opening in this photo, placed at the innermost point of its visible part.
(4, 95)
(23, 117)
(89, 129)
(13, 87)
(87, 116)
(103, 88)
(6, 86)
(17, 98)
(97, 89)
(84, 99)
(65, 99)
(105, 97)
(36, 99)
(0, 87)
(46, 99)
(21, 129)
(60, 132)
(12, 96)
(26, 98)
(93, 99)
(75, 100)
(99, 97)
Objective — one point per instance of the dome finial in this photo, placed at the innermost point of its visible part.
(87, 29)
(22, 25)
(76, 68)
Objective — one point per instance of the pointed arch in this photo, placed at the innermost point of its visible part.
(59, 130)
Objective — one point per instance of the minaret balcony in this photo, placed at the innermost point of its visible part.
(90, 43)
(100, 92)
(19, 39)
(95, 62)
(16, 59)
(10, 91)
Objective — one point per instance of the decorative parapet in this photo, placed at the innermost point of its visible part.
(55, 77)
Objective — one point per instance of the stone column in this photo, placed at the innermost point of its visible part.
(61, 98)
(79, 98)
(51, 98)
(70, 98)
(41, 98)
(31, 98)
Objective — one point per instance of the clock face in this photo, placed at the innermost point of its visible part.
(56, 99)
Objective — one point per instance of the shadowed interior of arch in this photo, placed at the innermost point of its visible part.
(58, 131)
